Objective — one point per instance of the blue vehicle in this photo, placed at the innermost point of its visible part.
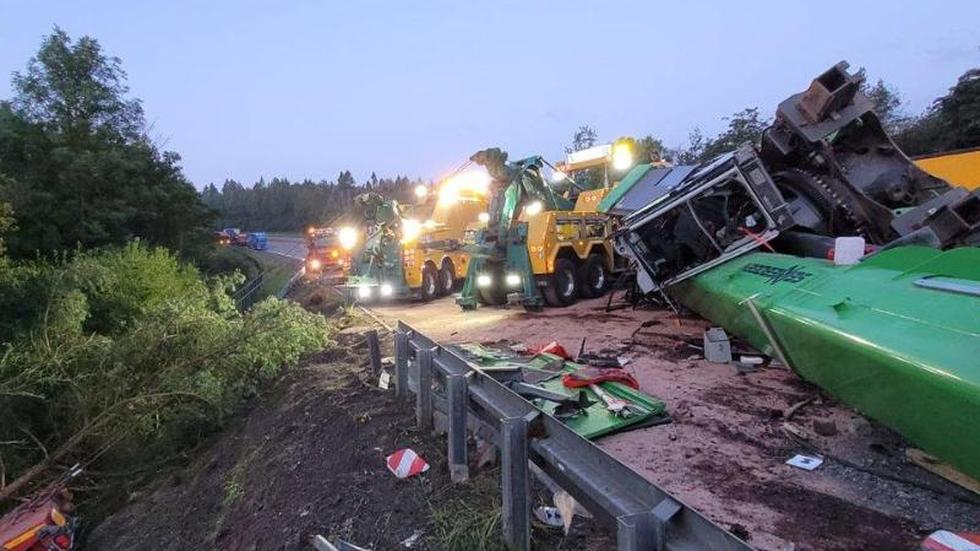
(258, 241)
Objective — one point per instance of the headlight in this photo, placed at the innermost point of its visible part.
(348, 237)
(335, 254)
(484, 217)
(421, 191)
(513, 280)
(411, 230)
(622, 156)
(534, 208)
(364, 292)
(386, 290)
(483, 280)
(315, 264)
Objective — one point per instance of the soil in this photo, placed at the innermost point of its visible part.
(310, 460)
(725, 452)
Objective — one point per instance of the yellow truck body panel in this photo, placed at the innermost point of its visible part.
(960, 168)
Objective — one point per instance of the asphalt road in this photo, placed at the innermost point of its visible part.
(291, 247)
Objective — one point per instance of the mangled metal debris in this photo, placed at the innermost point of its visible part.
(744, 240)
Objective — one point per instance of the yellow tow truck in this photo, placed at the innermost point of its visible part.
(541, 246)
(416, 251)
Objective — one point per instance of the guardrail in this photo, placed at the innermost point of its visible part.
(641, 515)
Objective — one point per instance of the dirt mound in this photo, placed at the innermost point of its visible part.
(310, 460)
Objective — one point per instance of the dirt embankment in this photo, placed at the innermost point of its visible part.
(310, 460)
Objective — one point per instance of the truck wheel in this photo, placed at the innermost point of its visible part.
(495, 294)
(594, 276)
(430, 284)
(447, 278)
(563, 285)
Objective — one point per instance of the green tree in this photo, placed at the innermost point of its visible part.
(584, 138)
(745, 126)
(84, 172)
(6, 217)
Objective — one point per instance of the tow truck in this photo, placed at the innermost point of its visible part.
(415, 251)
(327, 260)
(540, 245)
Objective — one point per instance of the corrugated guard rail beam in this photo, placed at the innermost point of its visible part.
(640, 514)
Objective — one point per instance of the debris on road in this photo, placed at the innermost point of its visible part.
(717, 347)
(549, 516)
(321, 543)
(805, 462)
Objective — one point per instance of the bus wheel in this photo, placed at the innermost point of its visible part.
(563, 285)
(430, 284)
(594, 277)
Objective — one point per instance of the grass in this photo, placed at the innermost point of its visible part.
(277, 271)
(471, 520)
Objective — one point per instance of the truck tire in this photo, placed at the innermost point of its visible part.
(447, 278)
(562, 287)
(430, 283)
(495, 294)
(594, 277)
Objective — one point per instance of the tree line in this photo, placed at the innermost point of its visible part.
(951, 122)
(281, 205)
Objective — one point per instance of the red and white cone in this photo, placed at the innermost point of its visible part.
(405, 463)
(944, 540)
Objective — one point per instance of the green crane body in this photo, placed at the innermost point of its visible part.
(896, 336)
(501, 247)
(378, 259)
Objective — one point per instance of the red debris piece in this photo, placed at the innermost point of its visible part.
(552, 348)
(593, 376)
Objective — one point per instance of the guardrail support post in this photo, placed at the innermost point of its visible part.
(423, 400)
(401, 364)
(516, 514)
(459, 470)
(374, 352)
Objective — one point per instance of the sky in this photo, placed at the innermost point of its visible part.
(305, 89)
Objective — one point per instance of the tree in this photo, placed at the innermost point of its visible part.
(744, 126)
(887, 101)
(584, 138)
(84, 172)
(76, 90)
(650, 149)
(951, 122)
(6, 216)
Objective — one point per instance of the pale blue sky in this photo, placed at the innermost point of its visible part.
(308, 88)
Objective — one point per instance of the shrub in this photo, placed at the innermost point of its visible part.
(131, 348)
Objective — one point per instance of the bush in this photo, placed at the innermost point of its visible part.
(131, 348)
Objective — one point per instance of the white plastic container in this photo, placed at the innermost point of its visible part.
(848, 250)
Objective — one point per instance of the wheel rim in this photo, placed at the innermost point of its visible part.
(447, 280)
(430, 285)
(598, 277)
(567, 284)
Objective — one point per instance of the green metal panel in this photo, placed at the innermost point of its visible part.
(905, 355)
(596, 420)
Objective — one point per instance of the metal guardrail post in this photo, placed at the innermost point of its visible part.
(516, 514)
(374, 352)
(401, 364)
(423, 400)
(459, 470)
